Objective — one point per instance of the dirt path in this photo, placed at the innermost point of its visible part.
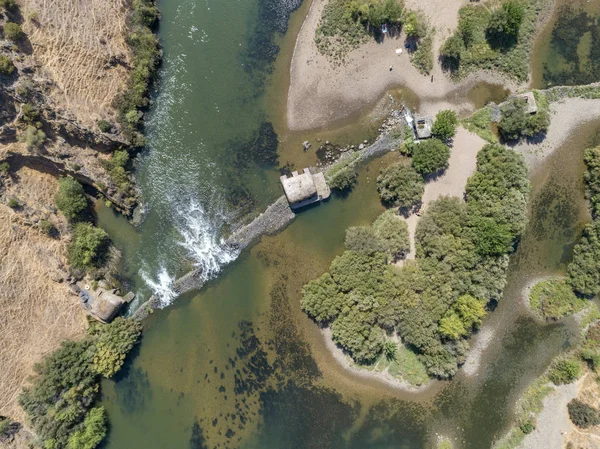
(462, 164)
(321, 93)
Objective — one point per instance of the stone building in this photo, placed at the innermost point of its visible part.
(305, 188)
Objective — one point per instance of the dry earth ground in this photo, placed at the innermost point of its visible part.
(81, 47)
(322, 92)
(37, 312)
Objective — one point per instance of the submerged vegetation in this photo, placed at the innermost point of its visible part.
(434, 302)
(499, 39)
(61, 399)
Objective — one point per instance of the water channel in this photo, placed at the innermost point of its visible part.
(237, 364)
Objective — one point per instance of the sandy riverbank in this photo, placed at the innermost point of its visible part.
(321, 93)
(381, 376)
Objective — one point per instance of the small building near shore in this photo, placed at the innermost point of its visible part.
(305, 188)
(423, 126)
(103, 305)
(531, 106)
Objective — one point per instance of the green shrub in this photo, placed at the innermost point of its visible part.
(89, 246)
(415, 24)
(390, 350)
(6, 66)
(393, 233)
(91, 432)
(14, 203)
(34, 138)
(344, 180)
(47, 228)
(30, 113)
(464, 315)
(9, 5)
(70, 198)
(12, 31)
(505, 22)
(582, 414)
(582, 271)
(112, 344)
(444, 127)
(422, 57)
(554, 299)
(430, 156)
(527, 427)
(4, 168)
(400, 186)
(104, 126)
(564, 371)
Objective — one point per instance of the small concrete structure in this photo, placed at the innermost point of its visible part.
(531, 103)
(103, 305)
(423, 127)
(306, 188)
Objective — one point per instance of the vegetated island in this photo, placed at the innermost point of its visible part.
(74, 83)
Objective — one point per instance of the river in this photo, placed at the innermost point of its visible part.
(237, 364)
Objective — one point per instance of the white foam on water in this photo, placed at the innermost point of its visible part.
(162, 286)
(200, 231)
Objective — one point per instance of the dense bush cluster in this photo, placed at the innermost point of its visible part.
(564, 371)
(430, 156)
(444, 126)
(146, 56)
(400, 186)
(70, 198)
(583, 415)
(345, 24)
(6, 65)
(89, 246)
(583, 273)
(343, 180)
(516, 122)
(434, 302)
(60, 400)
(498, 39)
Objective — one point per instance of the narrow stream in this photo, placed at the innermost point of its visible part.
(237, 364)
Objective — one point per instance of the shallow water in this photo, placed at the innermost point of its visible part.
(567, 50)
(237, 364)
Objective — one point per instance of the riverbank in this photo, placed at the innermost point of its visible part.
(322, 92)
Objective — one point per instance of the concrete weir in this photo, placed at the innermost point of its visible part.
(273, 220)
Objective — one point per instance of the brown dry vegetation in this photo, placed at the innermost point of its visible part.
(81, 48)
(37, 309)
(589, 392)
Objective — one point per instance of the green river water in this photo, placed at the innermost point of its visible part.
(237, 364)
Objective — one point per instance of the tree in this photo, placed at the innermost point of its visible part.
(363, 239)
(505, 22)
(492, 238)
(91, 432)
(465, 314)
(12, 31)
(415, 25)
(70, 198)
(356, 333)
(513, 120)
(89, 246)
(583, 273)
(390, 350)
(582, 414)
(430, 156)
(321, 298)
(444, 127)
(393, 233)
(112, 344)
(400, 186)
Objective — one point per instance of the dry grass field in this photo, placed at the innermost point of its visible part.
(80, 45)
(37, 310)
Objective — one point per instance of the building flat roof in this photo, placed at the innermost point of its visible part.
(299, 187)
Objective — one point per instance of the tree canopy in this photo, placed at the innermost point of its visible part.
(70, 198)
(444, 126)
(400, 186)
(430, 156)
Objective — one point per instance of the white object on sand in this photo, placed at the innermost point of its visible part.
(398, 51)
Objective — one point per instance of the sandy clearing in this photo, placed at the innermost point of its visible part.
(553, 420)
(567, 115)
(462, 164)
(321, 93)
